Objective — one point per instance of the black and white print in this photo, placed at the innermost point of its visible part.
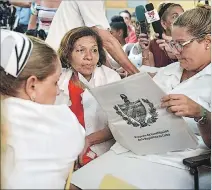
(140, 113)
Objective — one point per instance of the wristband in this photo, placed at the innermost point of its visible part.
(203, 119)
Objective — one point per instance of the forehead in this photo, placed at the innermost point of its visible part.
(86, 41)
(174, 10)
(180, 33)
(125, 15)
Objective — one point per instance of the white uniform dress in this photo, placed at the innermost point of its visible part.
(73, 14)
(164, 171)
(95, 118)
(42, 144)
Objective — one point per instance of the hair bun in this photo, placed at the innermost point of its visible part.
(117, 19)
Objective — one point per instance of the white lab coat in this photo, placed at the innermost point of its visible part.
(42, 144)
(95, 118)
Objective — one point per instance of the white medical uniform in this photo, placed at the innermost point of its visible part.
(42, 144)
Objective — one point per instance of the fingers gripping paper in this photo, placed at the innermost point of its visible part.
(136, 120)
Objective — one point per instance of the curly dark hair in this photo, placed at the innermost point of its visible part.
(70, 38)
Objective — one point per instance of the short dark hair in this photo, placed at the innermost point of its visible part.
(126, 11)
(119, 24)
(117, 18)
(70, 38)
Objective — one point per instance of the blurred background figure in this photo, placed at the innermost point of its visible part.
(23, 14)
(43, 12)
(152, 54)
(7, 15)
(119, 29)
(131, 30)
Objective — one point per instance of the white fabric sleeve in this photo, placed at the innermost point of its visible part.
(93, 13)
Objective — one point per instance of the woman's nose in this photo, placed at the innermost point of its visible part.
(88, 55)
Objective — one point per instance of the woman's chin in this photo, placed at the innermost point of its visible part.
(183, 63)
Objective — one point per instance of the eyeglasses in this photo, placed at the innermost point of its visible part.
(179, 46)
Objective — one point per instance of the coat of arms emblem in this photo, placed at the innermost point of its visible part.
(135, 113)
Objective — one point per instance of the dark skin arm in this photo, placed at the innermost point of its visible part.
(114, 48)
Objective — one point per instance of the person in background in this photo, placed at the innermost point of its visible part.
(131, 30)
(91, 14)
(151, 53)
(38, 132)
(187, 84)
(82, 55)
(133, 19)
(43, 11)
(23, 13)
(120, 32)
(119, 29)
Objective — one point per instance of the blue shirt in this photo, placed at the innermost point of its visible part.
(23, 14)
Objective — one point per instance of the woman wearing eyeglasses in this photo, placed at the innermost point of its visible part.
(188, 85)
(191, 43)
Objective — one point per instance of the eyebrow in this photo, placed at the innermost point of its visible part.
(84, 46)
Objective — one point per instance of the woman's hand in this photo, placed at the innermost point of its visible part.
(164, 43)
(181, 105)
(86, 146)
(143, 41)
(122, 72)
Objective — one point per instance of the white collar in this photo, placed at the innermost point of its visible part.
(176, 70)
(97, 78)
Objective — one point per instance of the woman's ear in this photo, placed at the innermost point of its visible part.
(163, 24)
(120, 33)
(30, 87)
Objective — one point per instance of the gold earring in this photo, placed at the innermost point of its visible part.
(207, 47)
(32, 98)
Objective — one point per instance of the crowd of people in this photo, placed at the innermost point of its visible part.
(52, 124)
